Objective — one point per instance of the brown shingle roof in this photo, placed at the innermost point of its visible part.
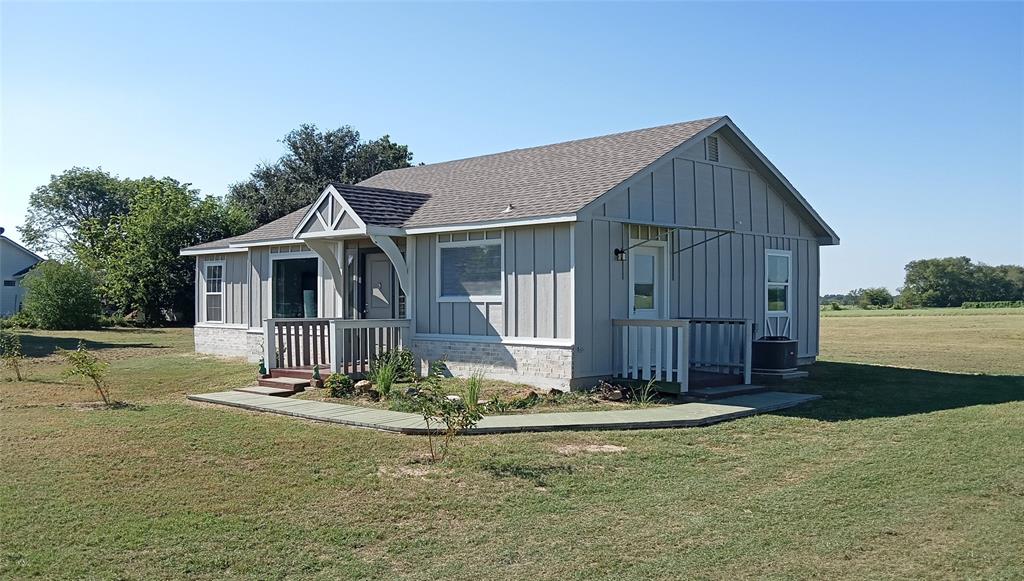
(537, 181)
(280, 229)
(381, 207)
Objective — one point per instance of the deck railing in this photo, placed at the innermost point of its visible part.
(345, 345)
(666, 349)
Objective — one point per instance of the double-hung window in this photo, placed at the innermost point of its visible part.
(779, 272)
(469, 266)
(213, 297)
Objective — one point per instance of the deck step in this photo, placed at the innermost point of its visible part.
(300, 373)
(263, 390)
(292, 383)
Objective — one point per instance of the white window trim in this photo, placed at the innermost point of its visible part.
(499, 298)
(662, 276)
(206, 293)
(788, 284)
(294, 256)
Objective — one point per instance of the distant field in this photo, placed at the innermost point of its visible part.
(937, 312)
(960, 340)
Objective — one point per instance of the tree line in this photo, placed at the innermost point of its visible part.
(113, 242)
(942, 282)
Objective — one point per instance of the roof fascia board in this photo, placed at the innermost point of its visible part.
(508, 223)
(330, 190)
(335, 234)
(763, 160)
(277, 242)
(25, 250)
(208, 251)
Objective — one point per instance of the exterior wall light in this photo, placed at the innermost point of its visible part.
(620, 255)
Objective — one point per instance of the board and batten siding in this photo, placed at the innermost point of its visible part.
(537, 301)
(722, 278)
(235, 287)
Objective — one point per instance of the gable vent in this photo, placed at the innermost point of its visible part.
(712, 145)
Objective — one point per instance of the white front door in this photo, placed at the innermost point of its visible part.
(646, 277)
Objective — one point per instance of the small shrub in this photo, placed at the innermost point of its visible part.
(61, 296)
(644, 396)
(339, 385)
(390, 368)
(10, 351)
(457, 414)
(83, 363)
(836, 306)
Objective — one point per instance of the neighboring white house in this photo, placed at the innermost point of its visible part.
(639, 254)
(15, 262)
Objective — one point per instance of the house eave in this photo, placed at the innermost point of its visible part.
(489, 224)
(209, 251)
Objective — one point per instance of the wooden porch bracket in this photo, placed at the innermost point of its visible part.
(389, 247)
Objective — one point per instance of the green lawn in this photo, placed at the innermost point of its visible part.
(896, 473)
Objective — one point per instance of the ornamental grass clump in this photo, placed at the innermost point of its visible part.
(83, 363)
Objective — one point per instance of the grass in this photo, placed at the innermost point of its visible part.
(928, 312)
(913, 473)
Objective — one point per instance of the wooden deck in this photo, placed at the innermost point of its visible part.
(676, 416)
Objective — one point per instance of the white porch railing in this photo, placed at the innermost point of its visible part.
(666, 349)
(345, 345)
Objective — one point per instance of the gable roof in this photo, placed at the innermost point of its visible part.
(549, 181)
(379, 206)
(20, 247)
(537, 181)
(280, 229)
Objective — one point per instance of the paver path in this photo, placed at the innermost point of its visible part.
(676, 416)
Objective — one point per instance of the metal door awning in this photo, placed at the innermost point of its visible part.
(668, 230)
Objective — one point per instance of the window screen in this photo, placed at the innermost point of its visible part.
(470, 270)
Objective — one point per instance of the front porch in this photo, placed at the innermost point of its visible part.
(335, 345)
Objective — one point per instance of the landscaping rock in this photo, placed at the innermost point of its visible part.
(453, 398)
(362, 386)
(609, 392)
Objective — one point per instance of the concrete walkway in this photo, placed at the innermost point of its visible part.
(676, 416)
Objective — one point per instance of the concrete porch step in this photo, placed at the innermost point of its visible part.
(290, 383)
(263, 390)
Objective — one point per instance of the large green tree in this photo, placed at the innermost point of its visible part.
(141, 270)
(950, 282)
(65, 215)
(312, 159)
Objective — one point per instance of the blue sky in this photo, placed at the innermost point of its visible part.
(902, 123)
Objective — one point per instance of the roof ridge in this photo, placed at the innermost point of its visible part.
(376, 189)
(708, 120)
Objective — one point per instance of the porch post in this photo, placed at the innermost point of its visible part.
(748, 348)
(269, 344)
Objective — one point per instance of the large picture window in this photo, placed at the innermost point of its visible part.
(469, 266)
(294, 292)
(213, 296)
(778, 272)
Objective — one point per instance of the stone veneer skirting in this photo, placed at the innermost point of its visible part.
(538, 365)
(229, 341)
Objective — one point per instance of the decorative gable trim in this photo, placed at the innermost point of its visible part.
(329, 215)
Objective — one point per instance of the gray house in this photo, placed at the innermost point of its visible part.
(15, 262)
(645, 254)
